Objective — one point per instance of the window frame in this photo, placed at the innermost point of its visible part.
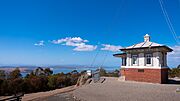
(136, 62)
(148, 56)
(124, 61)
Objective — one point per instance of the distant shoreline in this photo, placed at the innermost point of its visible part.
(11, 69)
(56, 70)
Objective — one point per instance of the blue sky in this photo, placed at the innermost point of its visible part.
(30, 30)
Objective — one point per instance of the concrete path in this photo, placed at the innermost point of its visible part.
(114, 90)
(39, 95)
(57, 97)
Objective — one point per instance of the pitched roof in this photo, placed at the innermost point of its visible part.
(120, 55)
(146, 44)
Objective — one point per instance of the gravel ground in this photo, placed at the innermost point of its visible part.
(114, 90)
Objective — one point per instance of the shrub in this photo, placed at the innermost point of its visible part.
(15, 74)
(38, 80)
(52, 82)
(174, 72)
(2, 74)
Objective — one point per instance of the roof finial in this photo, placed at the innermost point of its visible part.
(146, 38)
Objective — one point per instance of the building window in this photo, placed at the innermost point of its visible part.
(134, 59)
(123, 61)
(148, 58)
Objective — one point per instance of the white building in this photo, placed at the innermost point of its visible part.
(145, 61)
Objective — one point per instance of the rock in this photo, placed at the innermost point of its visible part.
(82, 80)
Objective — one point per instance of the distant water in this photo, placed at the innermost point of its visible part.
(67, 70)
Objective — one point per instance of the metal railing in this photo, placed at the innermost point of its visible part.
(17, 97)
(96, 76)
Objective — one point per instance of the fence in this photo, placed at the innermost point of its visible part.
(13, 98)
(96, 76)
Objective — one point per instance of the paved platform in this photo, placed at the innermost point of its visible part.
(114, 90)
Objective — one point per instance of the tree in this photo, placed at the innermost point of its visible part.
(74, 78)
(43, 72)
(38, 83)
(174, 72)
(48, 71)
(15, 74)
(52, 82)
(74, 72)
(178, 66)
(103, 72)
(16, 85)
(39, 71)
(61, 81)
(83, 72)
(114, 73)
(44, 80)
(2, 74)
(4, 87)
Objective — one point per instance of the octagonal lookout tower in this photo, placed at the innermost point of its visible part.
(145, 62)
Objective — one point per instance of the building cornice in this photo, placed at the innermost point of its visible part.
(144, 67)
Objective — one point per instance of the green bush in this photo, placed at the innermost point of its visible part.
(36, 81)
(52, 82)
(174, 72)
(103, 72)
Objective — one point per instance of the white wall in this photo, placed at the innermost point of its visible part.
(128, 60)
(141, 59)
(156, 61)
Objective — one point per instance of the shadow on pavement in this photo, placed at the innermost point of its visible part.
(171, 81)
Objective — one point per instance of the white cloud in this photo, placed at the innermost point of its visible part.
(85, 47)
(40, 43)
(77, 42)
(59, 41)
(70, 43)
(175, 53)
(69, 40)
(109, 47)
(174, 56)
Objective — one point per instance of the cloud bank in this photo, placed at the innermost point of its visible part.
(77, 42)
